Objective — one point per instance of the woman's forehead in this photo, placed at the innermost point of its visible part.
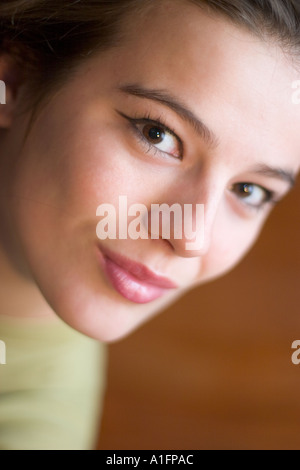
(239, 84)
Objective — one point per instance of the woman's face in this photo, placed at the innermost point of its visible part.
(189, 110)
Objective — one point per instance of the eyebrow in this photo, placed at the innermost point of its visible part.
(278, 173)
(165, 98)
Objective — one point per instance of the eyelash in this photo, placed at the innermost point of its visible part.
(159, 122)
(155, 122)
(270, 196)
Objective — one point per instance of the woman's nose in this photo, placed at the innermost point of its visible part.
(187, 226)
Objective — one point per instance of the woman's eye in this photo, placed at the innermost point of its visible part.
(161, 138)
(252, 194)
(157, 136)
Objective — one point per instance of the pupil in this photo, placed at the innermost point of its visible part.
(155, 134)
(247, 189)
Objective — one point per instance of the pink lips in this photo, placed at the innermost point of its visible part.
(134, 281)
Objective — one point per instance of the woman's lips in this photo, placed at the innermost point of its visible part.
(134, 281)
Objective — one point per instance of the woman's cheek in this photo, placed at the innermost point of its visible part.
(230, 243)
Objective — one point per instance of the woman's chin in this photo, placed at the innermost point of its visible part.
(104, 316)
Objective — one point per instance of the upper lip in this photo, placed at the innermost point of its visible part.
(139, 271)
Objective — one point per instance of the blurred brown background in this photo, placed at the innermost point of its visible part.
(215, 371)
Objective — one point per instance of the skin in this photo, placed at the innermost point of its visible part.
(81, 152)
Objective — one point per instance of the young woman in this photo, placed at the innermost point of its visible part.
(159, 102)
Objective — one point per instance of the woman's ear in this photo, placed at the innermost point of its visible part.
(9, 86)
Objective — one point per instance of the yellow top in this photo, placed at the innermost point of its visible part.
(51, 386)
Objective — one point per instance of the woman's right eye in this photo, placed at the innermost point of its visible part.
(157, 137)
(161, 138)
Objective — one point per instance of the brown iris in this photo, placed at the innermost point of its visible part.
(245, 189)
(154, 134)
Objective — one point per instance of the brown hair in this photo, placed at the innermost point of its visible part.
(276, 19)
(48, 37)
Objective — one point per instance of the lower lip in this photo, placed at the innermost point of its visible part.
(131, 288)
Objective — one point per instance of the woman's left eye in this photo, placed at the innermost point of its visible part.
(252, 194)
